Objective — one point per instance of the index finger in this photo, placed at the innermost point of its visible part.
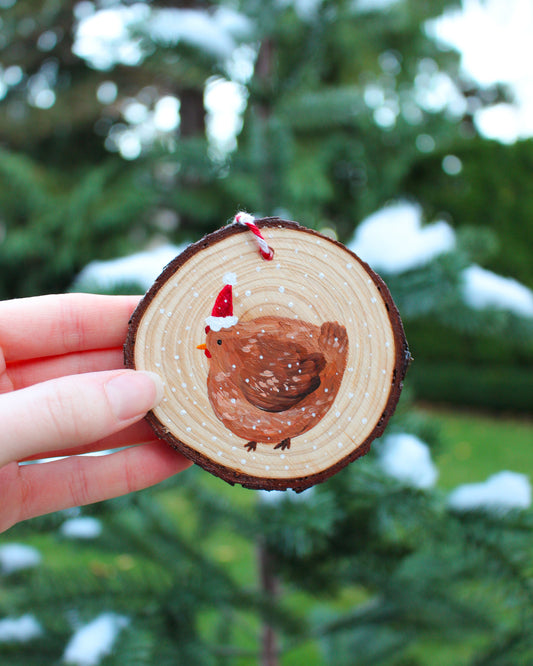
(62, 324)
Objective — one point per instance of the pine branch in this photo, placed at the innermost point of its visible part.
(516, 648)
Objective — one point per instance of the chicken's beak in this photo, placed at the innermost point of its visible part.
(204, 348)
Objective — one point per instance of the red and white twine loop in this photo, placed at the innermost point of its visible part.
(264, 249)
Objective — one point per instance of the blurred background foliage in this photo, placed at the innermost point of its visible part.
(110, 143)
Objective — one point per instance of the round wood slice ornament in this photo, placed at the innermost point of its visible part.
(282, 354)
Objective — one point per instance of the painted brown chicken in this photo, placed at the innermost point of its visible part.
(271, 378)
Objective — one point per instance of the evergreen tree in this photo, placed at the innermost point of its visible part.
(338, 107)
(363, 569)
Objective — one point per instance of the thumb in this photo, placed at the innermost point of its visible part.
(73, 411)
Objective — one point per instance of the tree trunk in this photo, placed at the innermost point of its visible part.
(192, 112)
(270, 589)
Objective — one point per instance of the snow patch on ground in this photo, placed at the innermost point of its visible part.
(408, 459)
(393, 239)
(95, 640)
(16, 556)
(85, 527)
(19, 629)
(141, 268)
(484, 289)
(501, 492)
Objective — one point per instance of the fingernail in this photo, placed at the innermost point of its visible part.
(134, 393)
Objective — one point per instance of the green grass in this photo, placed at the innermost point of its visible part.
(478, 445)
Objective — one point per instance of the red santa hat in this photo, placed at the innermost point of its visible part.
(222, 314)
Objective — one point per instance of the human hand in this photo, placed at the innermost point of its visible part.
(63, 392)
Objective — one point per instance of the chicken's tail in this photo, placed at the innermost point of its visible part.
(333, 342)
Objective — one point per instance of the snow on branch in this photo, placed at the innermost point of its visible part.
(113, 35)
(501, 492)
(93, 641)
(408, 459)
(16, 556)
(485, 289)
(84, 527)
(393, 239)
(19, 629)
(141, 268)
(214, 33)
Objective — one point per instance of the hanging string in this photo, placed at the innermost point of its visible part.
(264, 249)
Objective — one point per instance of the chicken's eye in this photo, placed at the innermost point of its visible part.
(219, 342)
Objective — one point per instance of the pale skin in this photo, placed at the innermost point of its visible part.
(64, 392)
